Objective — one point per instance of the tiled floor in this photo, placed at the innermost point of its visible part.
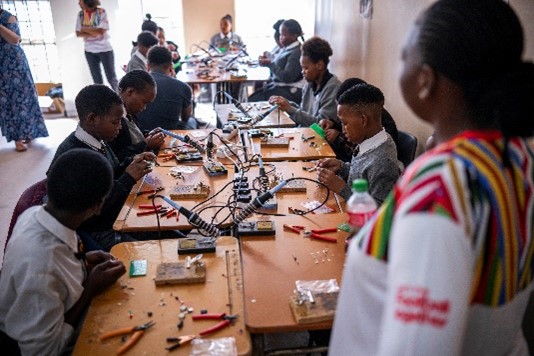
(19, 170)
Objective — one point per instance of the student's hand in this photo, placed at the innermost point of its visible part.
(94, 258)
(282, 102)
(331, 164)
(155, 140)
(331, 134)
(330, 179)
(141, 165)
(326, 124)
(103, 275)
(264, 60)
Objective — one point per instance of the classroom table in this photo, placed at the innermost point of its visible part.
(136, 300)
(278, 118)
(202, 74)
(271, 265)
(216, 74)
(129, 221)
(297, 150)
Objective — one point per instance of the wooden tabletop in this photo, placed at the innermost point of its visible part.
(270, 271)
(278, 118)
(128, 302)
(215, 73)
(128, 219)
(297, 150)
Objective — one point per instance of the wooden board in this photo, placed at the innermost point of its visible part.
(292, 186)
(178, 273)
(323, 309)
(275, 142)
(189, 192)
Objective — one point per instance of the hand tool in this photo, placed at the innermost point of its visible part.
(179, 341)
(136, 331)
(149, 191)
(226, 320)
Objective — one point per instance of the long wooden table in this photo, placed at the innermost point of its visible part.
(129, 221)
(273, 264)
(136, 300)
(202, 74)
(298, 149)
(278, 118)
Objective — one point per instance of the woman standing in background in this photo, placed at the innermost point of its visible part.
(21, 119)
(92, 25)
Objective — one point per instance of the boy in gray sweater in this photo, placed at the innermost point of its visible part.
(375, 154)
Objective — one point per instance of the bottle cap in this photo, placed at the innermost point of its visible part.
(360, 185)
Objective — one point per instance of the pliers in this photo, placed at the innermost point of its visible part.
(149, 191)
(226, 320)
(137, 331)
(317, 234)
(294, 228)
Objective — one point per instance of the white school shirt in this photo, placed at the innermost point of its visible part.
(99, 19)
(41, 280)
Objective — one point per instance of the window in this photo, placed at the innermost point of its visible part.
(38, 38)
(254, 20)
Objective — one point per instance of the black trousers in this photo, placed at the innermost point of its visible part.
(108, 62)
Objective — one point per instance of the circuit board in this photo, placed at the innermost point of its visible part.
(293, 186)
(196, 191)
(185, 157)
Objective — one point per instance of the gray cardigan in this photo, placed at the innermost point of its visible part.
(379, 166)
(286, 66)
(316, 106)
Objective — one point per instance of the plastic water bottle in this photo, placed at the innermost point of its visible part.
(360, 207)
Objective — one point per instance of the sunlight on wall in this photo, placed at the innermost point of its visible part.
(254, 20)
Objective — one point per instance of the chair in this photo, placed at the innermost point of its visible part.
(406, 147)
(33, 196)
(30, 197)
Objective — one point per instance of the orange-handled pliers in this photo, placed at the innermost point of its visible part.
(137, 331)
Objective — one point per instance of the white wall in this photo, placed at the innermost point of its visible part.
(125, 19)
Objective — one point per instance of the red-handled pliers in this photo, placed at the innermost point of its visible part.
(226, 320)
(294, 228)
(318, 234)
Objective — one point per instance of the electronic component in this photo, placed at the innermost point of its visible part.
(256, 228)
(196, 245)
(215, 168)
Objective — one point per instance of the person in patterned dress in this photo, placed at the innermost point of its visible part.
(446, 265)
(21, 119)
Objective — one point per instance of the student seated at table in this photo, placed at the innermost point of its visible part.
(47, 281)
(278, 47)
(318, 96)
(145, 41)
(171, 109)
(147, 25)
(375, 156)
(337, 139)
(137, 89)
(100, 111)
(226, 39)
(286, 72)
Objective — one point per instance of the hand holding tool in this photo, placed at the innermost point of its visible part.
(136, 331)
